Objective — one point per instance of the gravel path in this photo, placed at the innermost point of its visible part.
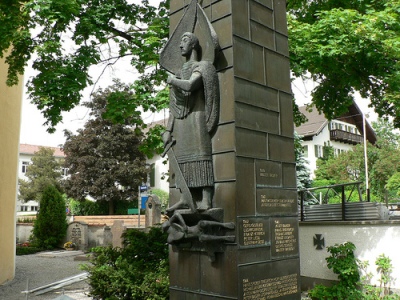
(44, 268)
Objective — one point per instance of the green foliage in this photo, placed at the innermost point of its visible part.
(302, 170)
(347, 46)
(103, 158)
(393, 183)
(45, 170)
(384, 268)
(383, 163)
(22, 250)
(351, 284)
(163, 196)
(93, 208)
(342, 262)
(50, 226)
(65, 38)
(137, 271)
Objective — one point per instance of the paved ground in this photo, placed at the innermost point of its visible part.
(40, 269)
(37, 270)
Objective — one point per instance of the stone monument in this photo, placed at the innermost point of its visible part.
(232, 228)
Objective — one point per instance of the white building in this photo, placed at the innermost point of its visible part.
(341, 133)
(26, 152)
(159, 167)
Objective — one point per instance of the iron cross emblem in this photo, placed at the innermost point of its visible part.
(319, 242)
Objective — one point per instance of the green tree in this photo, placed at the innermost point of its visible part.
(50, 226)
(103, 158)
(45, 170)
(347, 46)
(393, 184)
(302, 170)
(64, 38)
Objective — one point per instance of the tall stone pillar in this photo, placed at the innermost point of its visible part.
(10, 118)
(253, 159)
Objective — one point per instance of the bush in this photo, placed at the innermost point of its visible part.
(50, 226)
(137, 271)
(22, 250)
(343, 263)
(98, 208)
(350, 286)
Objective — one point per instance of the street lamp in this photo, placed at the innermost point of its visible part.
(366, 157)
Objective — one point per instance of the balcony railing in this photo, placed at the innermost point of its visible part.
(347, 137)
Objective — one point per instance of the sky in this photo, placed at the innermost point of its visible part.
(34, 132)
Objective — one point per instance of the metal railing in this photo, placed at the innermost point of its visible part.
(341, 211)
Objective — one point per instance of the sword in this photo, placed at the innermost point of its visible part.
(179, 179)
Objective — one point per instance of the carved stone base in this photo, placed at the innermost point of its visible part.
(201, 231)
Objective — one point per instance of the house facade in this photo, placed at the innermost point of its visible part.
(26, 152)
(342, 133)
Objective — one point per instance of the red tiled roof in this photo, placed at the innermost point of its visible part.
(31, 149)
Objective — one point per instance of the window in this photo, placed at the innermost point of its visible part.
(64, 171)
(34, 208)
(305, 150)
(318, 150)
(25, 165)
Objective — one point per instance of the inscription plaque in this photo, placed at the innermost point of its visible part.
(276, 202)
(268, 173)
(284, 233)
(254, 232)
(271, 280)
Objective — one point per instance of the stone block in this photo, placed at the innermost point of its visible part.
(256, 94)
(227, 106)
(248, 57)
(267, 3)
(280, 148)
(225, 198)
(280, 16)
(286, 114)
(270, 280)
(224, 166)
(262, 35)
(282, 45)
(245, 187)
(224, 138)
(273, 202)
(261, 14)
(254, 232)
(284, 233)
(289, 175)
(257, 119)
(277, 71)
(240, 19)
(220, 9)
(251, 143)
(268, 173)
(184, 269)
(223, 28)
(225, 59)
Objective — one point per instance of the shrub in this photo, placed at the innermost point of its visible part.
(22, 250)
(50, 226)
(137, 271)
(343, 263)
